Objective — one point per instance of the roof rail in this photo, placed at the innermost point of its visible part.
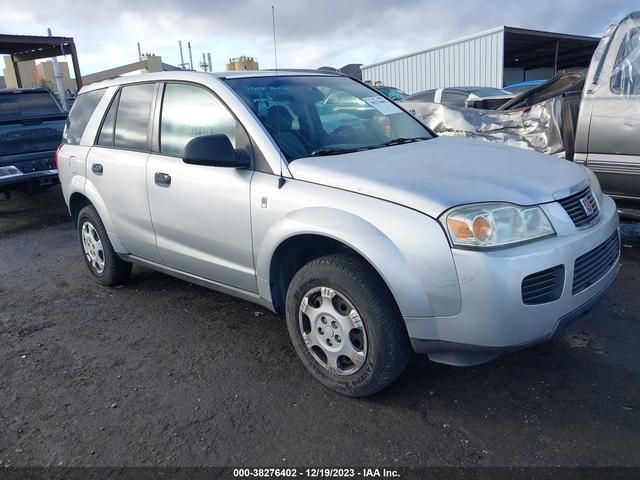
(306, 70)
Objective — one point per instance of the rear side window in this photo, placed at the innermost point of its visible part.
(132, 117)
(188, 112)
(80, 114)
(427, 96)
(106, 132)
(453, 98)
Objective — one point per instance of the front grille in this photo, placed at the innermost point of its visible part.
(574, 207)
(590, 267)
(543, 287)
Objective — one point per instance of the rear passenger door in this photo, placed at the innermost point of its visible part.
(201, 214)
(116, 167)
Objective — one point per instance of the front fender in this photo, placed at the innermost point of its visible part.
(358, 234)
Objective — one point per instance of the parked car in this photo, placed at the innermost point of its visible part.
(472, 97)
(31, 124)
(372, 240)
(521, 87)
(393, 93)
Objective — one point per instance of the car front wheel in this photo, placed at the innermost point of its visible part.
(345, 325)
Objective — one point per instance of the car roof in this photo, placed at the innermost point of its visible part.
(196, 76)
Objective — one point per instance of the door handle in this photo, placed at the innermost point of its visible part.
(97, 168)
(163, 179)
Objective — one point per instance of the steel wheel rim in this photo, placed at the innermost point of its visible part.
(333, 331)
(92, 246)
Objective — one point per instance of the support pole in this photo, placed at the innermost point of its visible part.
(16, 69)
(555, 59)
(59, 79)
(76, 65)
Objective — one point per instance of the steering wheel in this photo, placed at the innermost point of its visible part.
(341, 131)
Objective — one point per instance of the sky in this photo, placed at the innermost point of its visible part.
(309, 33)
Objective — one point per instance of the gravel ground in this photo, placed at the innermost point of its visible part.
(162, 372)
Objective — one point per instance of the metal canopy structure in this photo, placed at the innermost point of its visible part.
(29, 47)
(531, 49)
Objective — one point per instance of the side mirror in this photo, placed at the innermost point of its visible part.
(215, 151)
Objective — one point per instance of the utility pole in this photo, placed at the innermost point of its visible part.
(182, 64)
(59, 79)
(190, 57)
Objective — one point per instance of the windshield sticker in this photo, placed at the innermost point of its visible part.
(383, 105)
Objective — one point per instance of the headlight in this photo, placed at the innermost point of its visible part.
(595, 185)
(495, 225)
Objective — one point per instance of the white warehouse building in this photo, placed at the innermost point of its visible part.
(493, 58)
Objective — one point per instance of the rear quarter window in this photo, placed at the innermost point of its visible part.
(80, 114)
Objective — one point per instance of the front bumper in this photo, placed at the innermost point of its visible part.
(494, 318)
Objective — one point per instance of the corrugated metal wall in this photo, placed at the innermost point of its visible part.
(472, 61)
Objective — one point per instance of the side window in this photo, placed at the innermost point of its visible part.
(453, 98)
(625, 76)
(427, 96)
(106, 132)
(80, 114)
(132, 119)
(189, 111)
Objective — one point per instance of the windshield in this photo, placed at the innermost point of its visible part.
(326, 115)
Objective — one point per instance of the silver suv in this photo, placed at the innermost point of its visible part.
(370, 233)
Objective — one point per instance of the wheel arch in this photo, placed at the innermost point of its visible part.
(90, 196)
(310, 233)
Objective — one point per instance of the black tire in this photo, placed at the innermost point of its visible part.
(116, 271)
(388, 346)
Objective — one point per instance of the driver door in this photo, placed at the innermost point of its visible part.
(200, 214)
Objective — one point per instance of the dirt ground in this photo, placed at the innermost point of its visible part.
(162, 372)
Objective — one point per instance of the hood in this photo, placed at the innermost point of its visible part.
(433, 175)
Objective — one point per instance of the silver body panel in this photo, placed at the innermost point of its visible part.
(220, 227)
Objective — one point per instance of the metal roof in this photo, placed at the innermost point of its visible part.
(502, 28)
(32, 47)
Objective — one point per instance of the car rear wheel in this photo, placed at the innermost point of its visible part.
(345, 325)
(103, 262)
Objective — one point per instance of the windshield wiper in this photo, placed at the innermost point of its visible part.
(321, 152)
(400, 141)
(337, 151)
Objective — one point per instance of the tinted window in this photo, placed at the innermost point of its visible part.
(453, 98)
(132, 120)
(17, 105)
(188, 112)
(106, 132)
(426, 96)
(80, 114)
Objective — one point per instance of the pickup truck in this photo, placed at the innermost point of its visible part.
(31, 126)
